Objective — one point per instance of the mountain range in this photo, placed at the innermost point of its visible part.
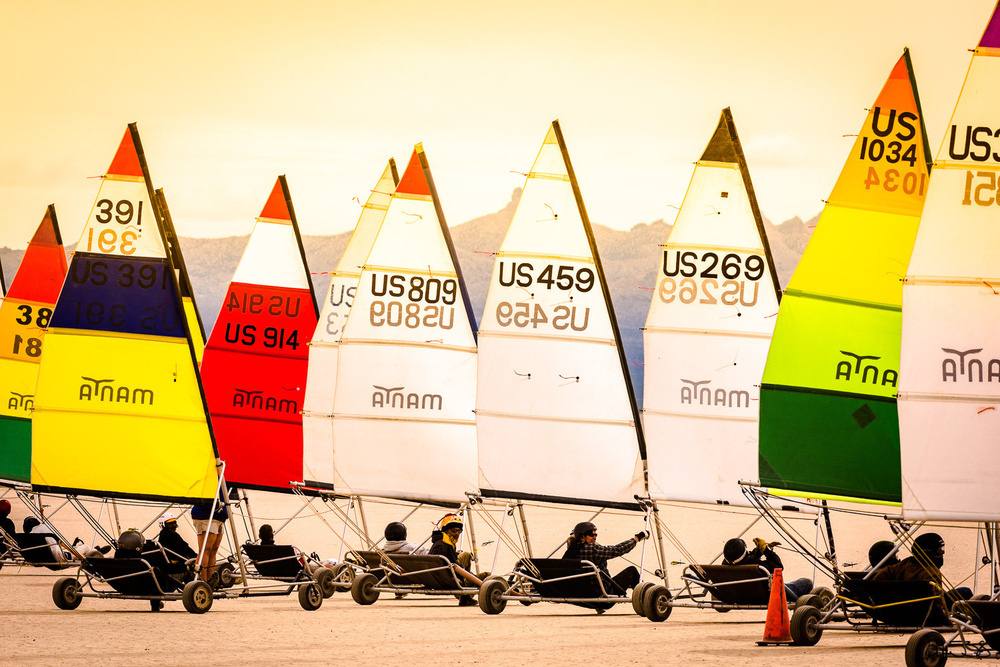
(630, 260)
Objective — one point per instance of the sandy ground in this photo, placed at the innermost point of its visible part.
(428, 631)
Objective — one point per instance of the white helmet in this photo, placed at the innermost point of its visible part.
(167, 516)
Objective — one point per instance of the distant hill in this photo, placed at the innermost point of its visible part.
(630, 259)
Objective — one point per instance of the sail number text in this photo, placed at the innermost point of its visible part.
(111, 239)
(981, 188)
(30, 346)
(522, 274)
(709, 278)
(524, 314)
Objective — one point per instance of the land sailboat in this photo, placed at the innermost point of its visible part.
(321, 383)
(119, 410)
(708, 332)
(24, 315)
(403, 421)
(828, 422)
(255, 362)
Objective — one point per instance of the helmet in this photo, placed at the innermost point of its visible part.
(395, 531)
(29, 523)
(166, 518)
(4, 507)
(582, 528)
(734, 550)
(449, 520)
(131, 540)
(930, 543)
(880, 550)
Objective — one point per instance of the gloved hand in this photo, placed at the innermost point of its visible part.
(762, 545)
(641, 535)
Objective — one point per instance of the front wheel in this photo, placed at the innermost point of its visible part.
(638, 595)
(325, 579)
(825, 594)
(197, 596)
(804, 626)
(926, 648)
(362, 589)
(311, 596)
(66, 593)
(657, 604)
(491, 596)
(227, 575)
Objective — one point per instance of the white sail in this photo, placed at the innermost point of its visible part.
(555, 413)
(707, 334)
(321, 383)
(403, 420)
(949, 399)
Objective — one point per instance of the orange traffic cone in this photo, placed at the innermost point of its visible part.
(776, 629)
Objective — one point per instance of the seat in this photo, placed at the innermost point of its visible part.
(987, 618)
(569, 578)
(909, 604)
(744, 585)
(36, 550)
(275, 561)
(133, 576)
(433, 572)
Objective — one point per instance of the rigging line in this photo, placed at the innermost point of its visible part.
(504, 537)
(775, 521)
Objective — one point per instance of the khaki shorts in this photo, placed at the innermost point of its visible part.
(202, 526)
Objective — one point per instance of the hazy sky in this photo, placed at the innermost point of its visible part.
(228, 95)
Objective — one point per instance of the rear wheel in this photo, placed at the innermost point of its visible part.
(491, 596)
(926, 649)
(227, 575)
(325, 579)
(804, 626)
(824, 594)
(657, 604)
(197, 597)
(638, 593)
(66, 593)
(311, 596)
(809, 600)
(362, 589)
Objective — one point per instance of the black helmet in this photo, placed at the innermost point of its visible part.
(131, 540)
(584, 527)
(395, 532)
(735, 550)
(880, 550)
(29, 523)
(930, 543)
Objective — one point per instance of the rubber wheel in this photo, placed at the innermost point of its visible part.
(362, 589)
(66, 593)
(638, 593)
(343, 574)
(804, 626)
(825, 594)
(311, 596)
(227, 575)
(926, 649)
(810, 600)
(657, 604)
(491, 596)
(326, 580)
(155, 605)
(197, 597)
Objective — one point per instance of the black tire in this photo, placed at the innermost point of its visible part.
(926, 649)
(638, 595)
(825, 594)
(361, 589)
(804, 626)
(343, 573)
(197, 596)
(155, 605)
(491, 596)
(311, 596)
(66, 593)
(656, 602)
(325, 579)
(809, 600)
(227, 575)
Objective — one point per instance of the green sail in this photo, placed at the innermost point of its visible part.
(828, 423)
